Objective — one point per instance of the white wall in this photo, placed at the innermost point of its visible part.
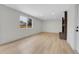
(9, 25)
(9, 22)
(54, 26)
(71, 26)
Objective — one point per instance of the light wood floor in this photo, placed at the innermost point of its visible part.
(42, 43)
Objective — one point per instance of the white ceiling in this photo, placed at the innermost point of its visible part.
(42, 11)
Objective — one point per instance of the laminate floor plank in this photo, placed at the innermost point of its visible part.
(42, 43)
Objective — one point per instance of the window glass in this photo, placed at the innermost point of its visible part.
(25, 22)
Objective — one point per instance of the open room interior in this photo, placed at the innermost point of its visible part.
(39, 28)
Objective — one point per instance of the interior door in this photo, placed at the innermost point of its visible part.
(77, 30)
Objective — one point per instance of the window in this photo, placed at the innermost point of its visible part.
(25, 22)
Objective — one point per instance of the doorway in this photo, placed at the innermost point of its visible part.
(63, 34)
